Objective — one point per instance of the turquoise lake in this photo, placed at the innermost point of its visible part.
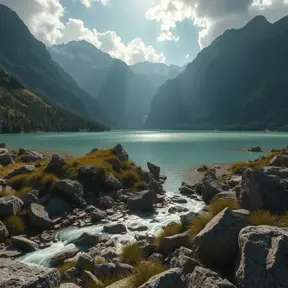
(175, 151)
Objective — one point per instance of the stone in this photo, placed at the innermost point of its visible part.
(137, 227)
(262, 260)
(88, 239)
(220, 234)
(111, 270)
(3, 232)
(255, 149)
(120, 152)
(38, 216)
(202, 277)
(5, 158)
(185, 263)
(113, 183)
(69, 275)
(57, 207)
(225, 195)
(263, 189)
(90, 208)
(24, 244)
(55, 165)
(90, 280)
(84, 262)
(142, 201)
(29, 155)
(177, 209)
(154, 169)
(26, 169)
(98, 215)
(30, 198)
(173, 242)
(10, 253)
(116, 228)
(187, 219)
(186, 190)
(178, 199)
(106, 202)
(69, 285)
(156, 258)
(119, 284)
(59, 258)
(170, 278)
(17, 275)
(71, 188)
(9, 206)
(109, 254)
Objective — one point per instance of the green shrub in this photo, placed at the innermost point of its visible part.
(66, 266)
(170, 230)
(15, 225)
(131, 254)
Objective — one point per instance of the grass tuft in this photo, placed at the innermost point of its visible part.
(170, 230)
(263, 218)
(15, 225)
(140, 185)
(99, 260)
(218, 205)
(25, 190)
(5, 192)
(66, 266)
(131, 254)
(143, 272)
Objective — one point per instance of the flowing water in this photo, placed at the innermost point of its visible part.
(176, 153)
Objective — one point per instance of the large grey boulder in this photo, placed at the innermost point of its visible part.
(105, 202)
(176, 241)
(5, 158)
(90, 280)
(38, 216)
(98, 215)
(112, 270)
(202, 277)
(56, 164)
(184, 262)
(116, 228)
(262, 260)
(279, 160)
(142, 201)
(3, 232)
(29, 155)
(30, 198)
(23, 243)
(26, 169)
(59, 258)
(187, 219)
(71, 188)
(154, 169)
(120, 152)
(84, 262)
(88, 239)
(219, 235)
(170, 278)
(19, 275)
(113, 183)
(57, 207)
(9, 206)
(264, 189)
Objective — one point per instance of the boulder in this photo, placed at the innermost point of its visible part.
(225, 195)
(109, 254)
(170, 278)
(88, 239)
(5, 158)
(3, 232)
(137, 227)
(56, 164)
(176, 241)
(264, 189)
(71, 188)
(29, 155)
(210, 186)
(156, 258)
(186, 190)
(112, 270)
(220, 234)
(185, 263)
(116, 228)
(105, 202)
(187, 219)
(178, 199)
(84, 262)
(154, 169)
(23, 243)
(17, 275)
(69, 275)
(120, 152)
(30, 198)
(57, 207)
(90, 280)
(98, 215)
(113, 183)
(38, 216)
(202, 277)
(262, 260)
(142, 201)
(90, 177)
(26, 169)
(177, 209)
(9, 206)
(255, 149)
(59, 258)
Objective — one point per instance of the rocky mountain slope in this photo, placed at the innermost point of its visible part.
(239, 82)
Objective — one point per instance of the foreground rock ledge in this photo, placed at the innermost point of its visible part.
(16, 275)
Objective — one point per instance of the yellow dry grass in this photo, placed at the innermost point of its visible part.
(170, 230)
(131, 254)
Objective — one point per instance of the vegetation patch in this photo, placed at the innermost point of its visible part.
(131, 254)
(263, 218)
(66, 266)
(25, 190)
(218, 205)
(140, 185)
(99, 260)
(170, 230)
(15, 225)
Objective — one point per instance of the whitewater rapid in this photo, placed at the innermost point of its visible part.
(154, 223)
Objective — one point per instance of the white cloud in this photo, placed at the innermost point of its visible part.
(87, 3)
(211, 16)
(44, 19)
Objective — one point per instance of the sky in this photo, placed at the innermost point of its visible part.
(165, 31)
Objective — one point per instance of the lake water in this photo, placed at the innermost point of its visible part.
(175, 152)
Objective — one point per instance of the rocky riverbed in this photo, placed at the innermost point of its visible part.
(99, 220)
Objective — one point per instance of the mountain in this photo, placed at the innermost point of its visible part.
(123, 95)
(27, 59)
(23, 111)
(239, 82)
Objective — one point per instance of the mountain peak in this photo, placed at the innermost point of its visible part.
(258, 20)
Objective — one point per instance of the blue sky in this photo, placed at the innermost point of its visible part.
(142, 30)
(127, 19)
